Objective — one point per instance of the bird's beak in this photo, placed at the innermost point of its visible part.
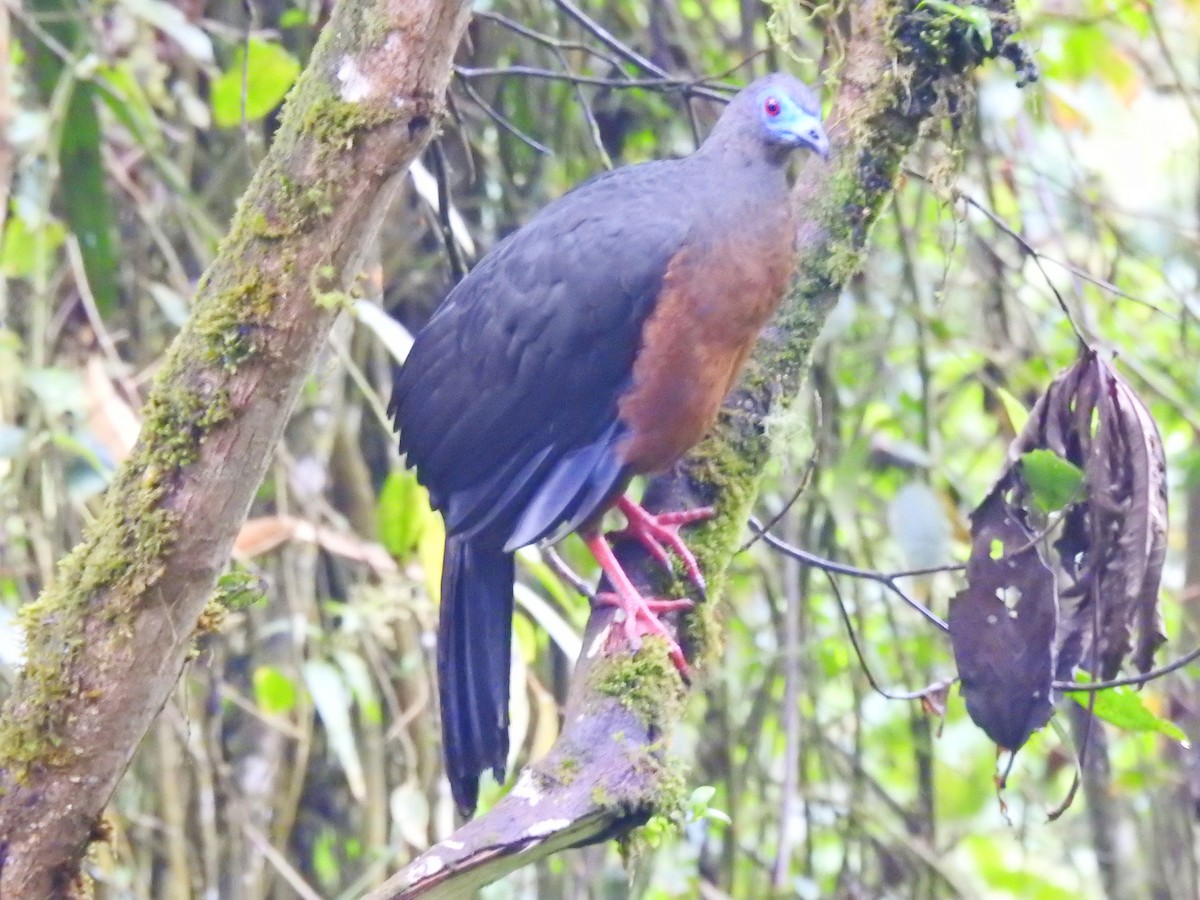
(811, 134)
(804, 129)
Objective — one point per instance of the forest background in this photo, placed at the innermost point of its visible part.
(299, 755)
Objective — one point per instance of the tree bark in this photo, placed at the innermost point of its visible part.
(904, 68)
(107, 641)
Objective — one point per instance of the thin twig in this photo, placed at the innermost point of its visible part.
(862, 660)
(588, 114)
(1071, 687)
(805, 479)
(501, 120)
(546, 40)
(1039, 257)
(280, 863)
(458, 268)
(105, 341)
(887, 579)
(560, 568)
(689, 87)
(607, 38)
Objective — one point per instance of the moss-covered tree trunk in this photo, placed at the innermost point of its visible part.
(107, 641)
(903, 69)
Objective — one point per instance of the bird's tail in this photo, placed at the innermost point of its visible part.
(474, 656)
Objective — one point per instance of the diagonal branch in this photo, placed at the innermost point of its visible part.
(107, 641)
(903, 69)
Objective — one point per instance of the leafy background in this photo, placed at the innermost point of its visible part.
(299, 756)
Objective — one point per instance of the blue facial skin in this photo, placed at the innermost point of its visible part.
(792, 125)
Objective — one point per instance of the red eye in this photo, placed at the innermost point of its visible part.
(772, 107)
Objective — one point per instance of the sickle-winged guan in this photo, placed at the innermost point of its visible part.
(594, 344)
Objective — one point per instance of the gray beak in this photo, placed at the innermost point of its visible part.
(817, 140)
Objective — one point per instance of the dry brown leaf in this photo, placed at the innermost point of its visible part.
(1107, 559)
(112, 421)
(265, 533)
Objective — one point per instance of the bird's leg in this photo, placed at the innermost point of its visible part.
(658, 532)
(641, 613)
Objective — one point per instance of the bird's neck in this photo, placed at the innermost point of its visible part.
(738, 154)
(743, 168)
(733, 144)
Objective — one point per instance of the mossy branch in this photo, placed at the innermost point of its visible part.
(903, 71)
(107, 641)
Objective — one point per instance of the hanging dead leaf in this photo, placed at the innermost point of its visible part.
(1002, 626)
(1088, 466)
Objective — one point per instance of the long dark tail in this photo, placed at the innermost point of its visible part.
(474, 656)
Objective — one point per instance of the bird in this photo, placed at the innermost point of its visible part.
(594, 344)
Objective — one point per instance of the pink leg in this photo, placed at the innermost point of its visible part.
(641, 613)
(659, 532)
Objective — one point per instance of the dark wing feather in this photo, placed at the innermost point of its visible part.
(507, 405)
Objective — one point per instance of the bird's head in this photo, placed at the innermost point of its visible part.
(792, 117)
(779, 113)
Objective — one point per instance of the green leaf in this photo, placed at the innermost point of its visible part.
(294, 18)
(263, 76)
(27, 252)
(1054, 481)
(238, 589)
(325, 859)
(126, 98)
(1124, 708)
(1017, 414)
(403, 513)
(981, 24)
(699, 810)
(273, 691)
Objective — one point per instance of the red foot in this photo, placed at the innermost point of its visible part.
(658, 532)
(641, 613)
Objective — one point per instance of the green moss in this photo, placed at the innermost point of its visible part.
(334, 122)
(122, 554)
(102, 585)
(334, 300)
(658, 790)
(566, 770)
(288, 208)
(646, 683)
(667, 810)
(227, 324)
(704, 634)
(211, 619)
(369, 26)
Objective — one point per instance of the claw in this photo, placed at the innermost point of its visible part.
(659, 532)
(640, 613)
(641, 619)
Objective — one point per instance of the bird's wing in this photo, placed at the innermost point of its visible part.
(507, 405)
